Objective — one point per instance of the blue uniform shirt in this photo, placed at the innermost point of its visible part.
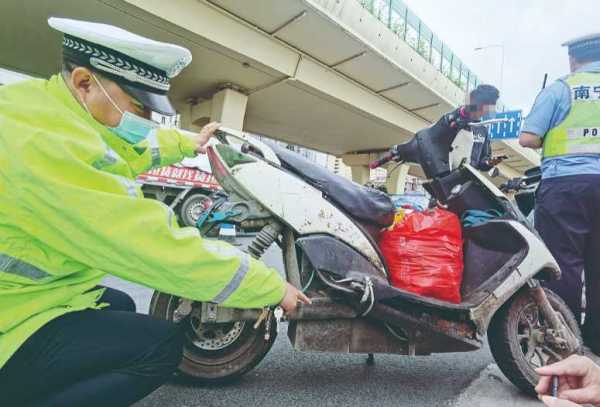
(550, 108)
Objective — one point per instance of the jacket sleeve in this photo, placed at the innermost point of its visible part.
(486, 153)
(163, 147)
(102, 221)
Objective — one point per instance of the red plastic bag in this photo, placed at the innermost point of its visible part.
(424, 254)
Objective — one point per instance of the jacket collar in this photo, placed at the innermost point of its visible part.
(60, 90)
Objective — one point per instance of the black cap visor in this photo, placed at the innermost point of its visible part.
(156, 102)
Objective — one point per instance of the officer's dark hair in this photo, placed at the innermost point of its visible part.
(68, 66)
(484, 95)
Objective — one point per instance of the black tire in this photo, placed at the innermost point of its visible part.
(214, 365)
(192, 208)
(511, 351)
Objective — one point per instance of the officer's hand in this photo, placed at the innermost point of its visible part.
(579, 381)
(292, 297)
(205, 134)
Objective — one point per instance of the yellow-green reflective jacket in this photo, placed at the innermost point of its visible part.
(71, 212)
(579, 132)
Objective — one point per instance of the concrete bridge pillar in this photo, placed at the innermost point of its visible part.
(227, 106)
(396, 181)
(360, 174)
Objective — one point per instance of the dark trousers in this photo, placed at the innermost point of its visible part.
(568, 219)
(109, 357)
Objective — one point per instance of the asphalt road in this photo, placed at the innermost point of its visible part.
(289, 378)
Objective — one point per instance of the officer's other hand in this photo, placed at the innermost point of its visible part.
(292, 297)
(579, 382)
(204, 136)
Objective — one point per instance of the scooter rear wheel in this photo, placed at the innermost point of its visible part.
(516, 338)
(215, 353)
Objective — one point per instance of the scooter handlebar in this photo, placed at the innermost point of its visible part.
(383, 160)
(517, 184)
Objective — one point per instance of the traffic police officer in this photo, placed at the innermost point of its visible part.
(565, 122)
(71, 212)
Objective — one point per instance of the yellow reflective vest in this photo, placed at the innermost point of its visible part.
(579, 132)
(71, 212)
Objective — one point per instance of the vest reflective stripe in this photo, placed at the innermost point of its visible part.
(154, 148)
(110, 158)
(11, 265)
(235, 281)
(129, 184)
(579, 133)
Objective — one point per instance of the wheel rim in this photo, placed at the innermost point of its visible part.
(213, 337)
(531, 331)
(208, 340)
(195, 209)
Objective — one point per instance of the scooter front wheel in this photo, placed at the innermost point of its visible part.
(214, 353)
(517, 338)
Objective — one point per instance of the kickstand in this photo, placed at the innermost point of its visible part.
(371, 360)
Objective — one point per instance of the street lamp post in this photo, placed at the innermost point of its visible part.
(501, 46)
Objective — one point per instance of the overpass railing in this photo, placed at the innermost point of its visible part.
(410, 29)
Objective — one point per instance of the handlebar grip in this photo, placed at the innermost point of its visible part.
(383, 160)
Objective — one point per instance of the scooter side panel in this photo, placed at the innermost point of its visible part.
(301, 206)
(538, 258)
(327, 253)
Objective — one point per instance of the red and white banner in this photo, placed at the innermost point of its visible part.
(179, 176)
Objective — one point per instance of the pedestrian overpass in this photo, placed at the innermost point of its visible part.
(346, 77)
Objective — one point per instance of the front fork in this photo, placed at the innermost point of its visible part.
(559, 334)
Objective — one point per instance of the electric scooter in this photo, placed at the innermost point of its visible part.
(327, 228)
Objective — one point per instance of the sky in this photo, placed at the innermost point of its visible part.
(531, 31)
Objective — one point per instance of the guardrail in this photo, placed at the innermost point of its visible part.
(410, 29)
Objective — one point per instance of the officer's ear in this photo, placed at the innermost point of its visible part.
(81, 80)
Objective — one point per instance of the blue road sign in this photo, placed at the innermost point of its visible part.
(506, 130)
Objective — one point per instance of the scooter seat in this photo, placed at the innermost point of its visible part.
(366, 205)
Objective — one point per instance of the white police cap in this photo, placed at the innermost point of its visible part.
(141, 66)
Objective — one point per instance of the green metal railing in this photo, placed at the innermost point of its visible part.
(410, 29)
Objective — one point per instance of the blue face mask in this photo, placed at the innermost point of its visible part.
(132, 128)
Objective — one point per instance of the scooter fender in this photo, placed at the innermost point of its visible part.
(537, 264)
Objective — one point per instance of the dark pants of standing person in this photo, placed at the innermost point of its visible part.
(109, 357)
(568, 219)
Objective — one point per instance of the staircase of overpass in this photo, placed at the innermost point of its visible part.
(345, 77)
